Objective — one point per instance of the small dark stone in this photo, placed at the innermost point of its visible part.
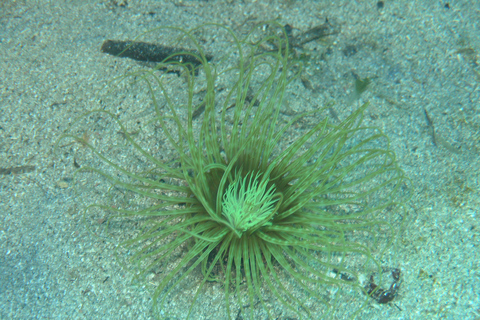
(380, 4)
(288, 29)
(349, 50)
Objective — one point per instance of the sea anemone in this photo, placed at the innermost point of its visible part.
(225, 187)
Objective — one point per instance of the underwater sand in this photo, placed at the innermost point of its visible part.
(422, 56)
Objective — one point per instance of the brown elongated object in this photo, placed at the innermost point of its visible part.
(149, 52)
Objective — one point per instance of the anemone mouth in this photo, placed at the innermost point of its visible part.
(248, 203)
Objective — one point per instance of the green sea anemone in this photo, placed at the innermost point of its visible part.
(220, 193)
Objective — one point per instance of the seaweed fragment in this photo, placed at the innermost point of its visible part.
(361, 85)
(315, 33)
(149, 52)
(16, 170)
(438, 139)
(306, 82)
